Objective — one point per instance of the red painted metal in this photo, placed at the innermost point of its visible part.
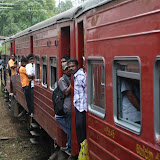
(118, 28)
(130, 28)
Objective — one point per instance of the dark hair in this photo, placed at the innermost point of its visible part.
(73, 60)
(65, 57)
(24, 59)
(30, 56)
(12, 54)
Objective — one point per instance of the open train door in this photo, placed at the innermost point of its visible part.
(64, 44)
(80, 56)
(80, 45)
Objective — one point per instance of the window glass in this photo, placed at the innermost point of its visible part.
(157, 99)
(126, 93)
(53, 72)
(44, 71)
(37, 67)
(96, 86)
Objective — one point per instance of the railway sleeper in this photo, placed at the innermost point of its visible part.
(6, 96)
(34, 140)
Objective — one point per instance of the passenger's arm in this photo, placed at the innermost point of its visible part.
(68, 90)
(13, 67)
(133, 99)
(31, 77)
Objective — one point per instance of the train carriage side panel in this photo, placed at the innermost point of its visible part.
(127, 29)
(45, 48)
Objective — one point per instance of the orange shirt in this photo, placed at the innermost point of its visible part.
(23, 76)
(11, 64)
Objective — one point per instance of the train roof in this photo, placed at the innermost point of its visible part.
(64, 16)
(2, 38)
(90, 4)
(7, 39)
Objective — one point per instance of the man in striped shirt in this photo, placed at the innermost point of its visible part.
(79, 100)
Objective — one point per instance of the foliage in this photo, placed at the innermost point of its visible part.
(66, 5)
(24, 14)
(1, 155)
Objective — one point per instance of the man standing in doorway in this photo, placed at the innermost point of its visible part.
(79, 101)
(30, 70)
(12, 65)
(25, 85)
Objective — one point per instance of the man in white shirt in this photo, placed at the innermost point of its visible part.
(131, 100)
(30, 70)
(79, 99)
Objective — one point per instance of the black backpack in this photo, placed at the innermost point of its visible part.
(58, 99)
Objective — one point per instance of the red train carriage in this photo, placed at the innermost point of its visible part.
(122, 43)
(48, 41)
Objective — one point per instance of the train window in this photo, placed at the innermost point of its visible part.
(156, 97)
(19, 59)
(53, 72)
(37, 67)
(44, 71)
(96, 86)
(126, 93)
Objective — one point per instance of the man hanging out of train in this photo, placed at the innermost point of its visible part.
(65, 120)
(25, 84)
(30, 70)
(12, 71)
(12, 65)
(79, 101)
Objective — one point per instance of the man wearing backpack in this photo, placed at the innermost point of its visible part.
(79, 99)
(65, 120)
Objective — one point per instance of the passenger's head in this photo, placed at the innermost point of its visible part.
(30, 58)
(13, 56)
(3, 57)
(64, 59)
(65, 68)
(72, 65)
(23, 61)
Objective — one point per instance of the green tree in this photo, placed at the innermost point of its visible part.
(66, 5)
(24, 14)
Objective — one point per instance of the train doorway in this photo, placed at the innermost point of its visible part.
(65, 41)
(31, 44)
(80, 38)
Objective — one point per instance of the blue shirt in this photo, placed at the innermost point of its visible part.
(80, 101)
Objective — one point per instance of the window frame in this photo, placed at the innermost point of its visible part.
(130, 126)
(99, 112)
(44, 63)
(52, 65)
(37, 55)
(156, 87)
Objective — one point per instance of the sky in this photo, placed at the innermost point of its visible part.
(57, 2)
